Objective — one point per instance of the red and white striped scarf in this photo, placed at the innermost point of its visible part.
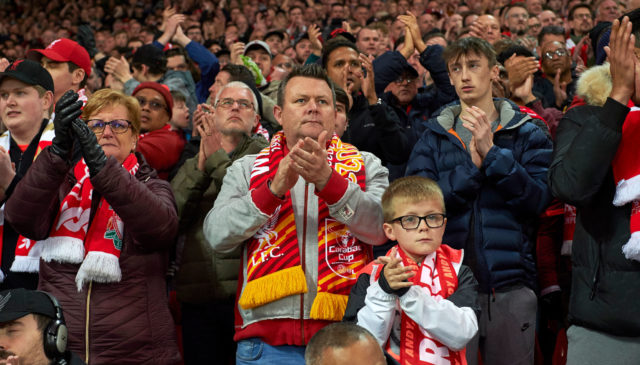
(274, 268)
(438, 278)
(97, 245)
(27, 252)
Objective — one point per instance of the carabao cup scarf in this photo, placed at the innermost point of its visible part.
(97, 245)
(274, 268)
(626, 172)
(27, 258)
(438, 279)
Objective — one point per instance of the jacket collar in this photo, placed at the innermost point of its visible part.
(510, 115)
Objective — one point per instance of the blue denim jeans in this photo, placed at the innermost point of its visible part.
(255, 351)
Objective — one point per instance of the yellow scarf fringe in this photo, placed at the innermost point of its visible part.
(272, 287)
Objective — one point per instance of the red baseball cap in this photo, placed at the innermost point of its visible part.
(66, 50)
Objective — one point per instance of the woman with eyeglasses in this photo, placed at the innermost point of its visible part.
(104, 223)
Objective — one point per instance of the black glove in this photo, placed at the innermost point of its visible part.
(91, 151)
(68, 108)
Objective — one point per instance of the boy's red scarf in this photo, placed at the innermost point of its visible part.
(27, 256)
(626, 172)
(97, 245)
(437, 275)
(274, 268)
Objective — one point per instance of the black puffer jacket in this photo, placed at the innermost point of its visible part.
(605, 285)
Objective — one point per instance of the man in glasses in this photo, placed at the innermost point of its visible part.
(207, 301)
(559, 77)
(159, 145)
(491, 161)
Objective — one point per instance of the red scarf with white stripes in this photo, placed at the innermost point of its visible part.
(274, 265)
(439, 279)
(95, 246)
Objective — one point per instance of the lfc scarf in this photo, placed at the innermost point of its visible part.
(274, 265)
(29, 258)
(438, 278)
(626, 172)
(96, 245)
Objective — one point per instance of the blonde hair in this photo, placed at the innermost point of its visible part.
(104, 98)
(41, 92)
(409, 189)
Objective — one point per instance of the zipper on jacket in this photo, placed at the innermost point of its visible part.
(594, 279)
(303, 258)
(86, 325)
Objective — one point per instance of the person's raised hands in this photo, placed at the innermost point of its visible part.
(622, 61)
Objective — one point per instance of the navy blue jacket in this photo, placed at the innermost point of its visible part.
(491, 211)
(389, 67)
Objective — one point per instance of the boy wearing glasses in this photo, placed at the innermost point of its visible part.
(418, 301)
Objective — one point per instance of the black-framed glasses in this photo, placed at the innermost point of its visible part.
(227, 103)
(152, 103)
(560, 52)
(117, 126)
(435, 220)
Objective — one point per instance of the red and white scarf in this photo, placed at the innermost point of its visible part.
(27, 257)
(626, 172)
(274, 268)
(437, 275)
(97, 245)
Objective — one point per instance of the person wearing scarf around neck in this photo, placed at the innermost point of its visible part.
(305, 211)
(104, 225)
(419, 301)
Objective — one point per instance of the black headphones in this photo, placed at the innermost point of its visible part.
(55, 335)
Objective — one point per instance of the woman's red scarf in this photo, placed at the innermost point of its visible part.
(274, 268)
(96, 245)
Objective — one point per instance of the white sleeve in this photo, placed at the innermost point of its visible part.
(378, 313)
(453, 326)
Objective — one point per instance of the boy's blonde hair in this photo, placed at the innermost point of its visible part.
(410, 189)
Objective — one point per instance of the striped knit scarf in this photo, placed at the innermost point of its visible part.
(97, 245)
(437, 275)
(27, 252)
(274, 267)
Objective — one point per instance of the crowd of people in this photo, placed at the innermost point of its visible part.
(198, 182)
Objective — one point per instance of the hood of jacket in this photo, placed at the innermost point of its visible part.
(594, 85)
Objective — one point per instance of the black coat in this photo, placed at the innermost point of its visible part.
(605, 285)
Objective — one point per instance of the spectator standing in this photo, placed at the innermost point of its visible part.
(315, 242)
(26, 100)
(491, 163)
(602, 308)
